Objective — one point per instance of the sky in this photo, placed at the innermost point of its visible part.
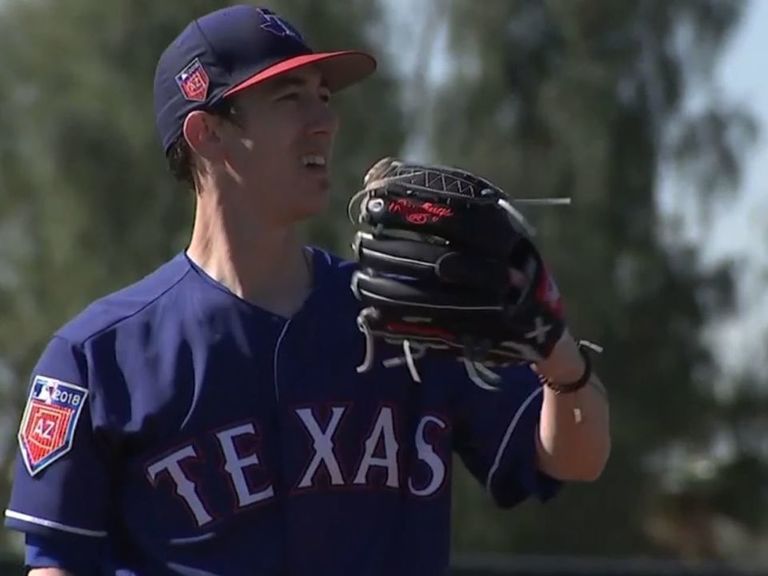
(742, 228)
(742, 78)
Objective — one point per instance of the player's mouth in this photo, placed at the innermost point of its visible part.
(315, 162)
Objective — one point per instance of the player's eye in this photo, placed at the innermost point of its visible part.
(289, 96)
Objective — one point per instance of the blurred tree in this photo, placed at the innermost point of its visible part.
(592, 100)
(86, 202)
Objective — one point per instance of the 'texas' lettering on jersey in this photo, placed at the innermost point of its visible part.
(378, 464)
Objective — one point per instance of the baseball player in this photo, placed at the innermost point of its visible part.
(210, 419)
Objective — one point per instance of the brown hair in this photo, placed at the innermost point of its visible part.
(180, 157)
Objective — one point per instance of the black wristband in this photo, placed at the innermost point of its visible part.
(570, 387)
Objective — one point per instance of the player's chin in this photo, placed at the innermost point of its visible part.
(312, 201)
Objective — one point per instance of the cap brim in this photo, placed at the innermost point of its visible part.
(339, 69)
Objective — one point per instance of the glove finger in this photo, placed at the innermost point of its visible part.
(412, 297)
(463, 339)
(426, 261)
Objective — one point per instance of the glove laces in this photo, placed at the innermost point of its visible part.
(480, 375)
(411, 352)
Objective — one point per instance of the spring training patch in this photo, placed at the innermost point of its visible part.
(48, 426)
(194, 82)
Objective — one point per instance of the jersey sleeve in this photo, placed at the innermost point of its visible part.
(51, 552)
(495, 436)
(60, 485)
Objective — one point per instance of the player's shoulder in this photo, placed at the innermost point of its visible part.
(126, 303)
(334, 273)
(331, 267)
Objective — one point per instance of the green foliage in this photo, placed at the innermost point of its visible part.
(586, 99)
(579, 98)
(86, 202)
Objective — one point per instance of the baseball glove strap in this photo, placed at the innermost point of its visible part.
(478, 373)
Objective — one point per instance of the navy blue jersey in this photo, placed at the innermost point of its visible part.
(173, 428)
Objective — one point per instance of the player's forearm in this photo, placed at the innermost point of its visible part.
(574, 429)
(569, 448)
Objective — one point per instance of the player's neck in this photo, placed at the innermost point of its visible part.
(263, 264)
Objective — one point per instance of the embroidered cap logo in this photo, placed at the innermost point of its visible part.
(194, 82)
(273, 23)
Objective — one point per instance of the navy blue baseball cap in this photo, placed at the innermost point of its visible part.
(234, 48)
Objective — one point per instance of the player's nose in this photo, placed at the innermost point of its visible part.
(323, 121)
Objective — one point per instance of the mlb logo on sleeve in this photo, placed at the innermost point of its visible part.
(48, 426)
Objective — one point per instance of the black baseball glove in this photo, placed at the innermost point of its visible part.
(446, 263)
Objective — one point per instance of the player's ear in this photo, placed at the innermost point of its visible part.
(202, 132)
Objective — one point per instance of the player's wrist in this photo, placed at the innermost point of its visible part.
(565, 364)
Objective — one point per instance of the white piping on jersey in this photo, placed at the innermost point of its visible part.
(508, 436)
(313, 251)
(54, 525)
(192, 540)
(277, 354)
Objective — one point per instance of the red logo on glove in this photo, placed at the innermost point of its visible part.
(419, 213)
(418, 219)
(416, 330)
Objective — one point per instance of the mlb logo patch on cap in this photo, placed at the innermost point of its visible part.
(48, 426)
(194, 82)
